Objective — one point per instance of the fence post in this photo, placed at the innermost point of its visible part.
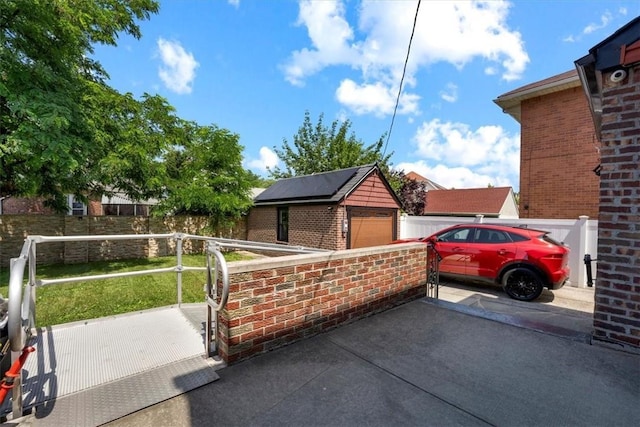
(179, 237)
(403, 226)
(581, 250)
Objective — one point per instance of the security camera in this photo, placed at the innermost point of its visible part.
(618, 76)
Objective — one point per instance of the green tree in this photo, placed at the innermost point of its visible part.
(321, 149)
(62, 129)
(258, 181)
(206, 176)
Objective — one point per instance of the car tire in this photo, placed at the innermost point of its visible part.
(522, 284)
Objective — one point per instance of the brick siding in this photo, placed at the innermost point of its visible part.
(558, 153)
(617, 294)
(316, 226)
(275, 302)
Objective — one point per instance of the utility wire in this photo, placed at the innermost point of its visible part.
(404, 70)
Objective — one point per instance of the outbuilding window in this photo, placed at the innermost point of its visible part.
(283, 224)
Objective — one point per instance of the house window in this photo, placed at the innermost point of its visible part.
(76, 207)
(283, 224)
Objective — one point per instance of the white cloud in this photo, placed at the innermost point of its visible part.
(329, 33)
(234, 3)
(454, 155)
(374, 98)
(451, 177)
(472, 30)
(178, 68)
(449, 93)
(604, 21)
(268, 159)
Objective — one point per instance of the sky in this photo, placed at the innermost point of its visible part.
(255, 67)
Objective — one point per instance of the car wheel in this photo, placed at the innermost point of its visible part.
(522, 284)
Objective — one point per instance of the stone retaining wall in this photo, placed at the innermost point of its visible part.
(15, 228)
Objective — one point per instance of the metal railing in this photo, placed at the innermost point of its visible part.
(21, 314)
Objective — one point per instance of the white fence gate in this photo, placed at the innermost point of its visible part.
(581, 235)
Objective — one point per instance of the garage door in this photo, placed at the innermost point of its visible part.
(370, 228)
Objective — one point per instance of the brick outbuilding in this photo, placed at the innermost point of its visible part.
(342, 209)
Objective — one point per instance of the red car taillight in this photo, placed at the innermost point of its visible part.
(557, 260)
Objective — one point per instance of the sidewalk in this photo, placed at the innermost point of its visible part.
(419, 364)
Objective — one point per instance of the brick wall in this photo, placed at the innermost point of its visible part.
(278, 301)
(558, 153)
(617, 294)
(316, 226)
(15, 228)
(16, 205)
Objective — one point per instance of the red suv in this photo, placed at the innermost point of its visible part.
(522, 260)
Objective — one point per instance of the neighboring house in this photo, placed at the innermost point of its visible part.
(559, 148)
(430, 185)
(610, 76)
(492, 202)
(116, 205)
(342, 209)
(255, 192)
(120, 205)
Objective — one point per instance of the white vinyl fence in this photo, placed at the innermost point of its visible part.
(580, 235)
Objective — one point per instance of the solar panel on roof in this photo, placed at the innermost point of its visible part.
(318, 186)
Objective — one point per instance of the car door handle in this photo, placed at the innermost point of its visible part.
(502, 251)
(457, 249)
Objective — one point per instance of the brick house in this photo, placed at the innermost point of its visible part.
(559, 148)
(494, 202)
(342, 209)
(610, 76)
(115, 205)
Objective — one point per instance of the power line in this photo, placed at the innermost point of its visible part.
(404, 70)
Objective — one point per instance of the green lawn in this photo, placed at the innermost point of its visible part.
(69, 302)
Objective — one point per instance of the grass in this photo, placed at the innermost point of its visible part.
(69, 302)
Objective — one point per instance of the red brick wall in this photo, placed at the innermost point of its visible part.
(275, 302)
(557, 156)
(16, 205)
(617, 294)
(315, 226)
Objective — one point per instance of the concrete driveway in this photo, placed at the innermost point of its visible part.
(566, 312)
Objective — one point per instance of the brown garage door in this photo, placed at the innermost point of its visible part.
(370, 228)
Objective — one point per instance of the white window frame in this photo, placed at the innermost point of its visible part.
(75, 211)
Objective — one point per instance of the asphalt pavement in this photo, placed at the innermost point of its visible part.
(473, 357)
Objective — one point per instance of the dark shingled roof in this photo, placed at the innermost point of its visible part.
(325, 187)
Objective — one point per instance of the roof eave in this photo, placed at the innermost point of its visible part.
(510, 103)
(591, 82)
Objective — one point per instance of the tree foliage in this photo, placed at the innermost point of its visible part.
(62, 129)
(412, 194)
(206, 176)
(318, 148)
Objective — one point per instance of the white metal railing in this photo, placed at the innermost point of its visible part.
(21, 314)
